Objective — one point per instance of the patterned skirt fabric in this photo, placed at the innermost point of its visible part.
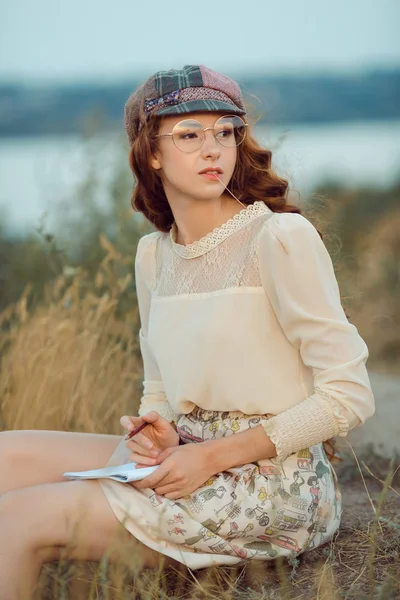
(257, 511)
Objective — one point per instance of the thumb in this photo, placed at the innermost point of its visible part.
(151, 417)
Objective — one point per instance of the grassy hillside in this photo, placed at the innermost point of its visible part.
(70, 361)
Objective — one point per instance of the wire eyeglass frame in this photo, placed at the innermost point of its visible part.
(204, 129)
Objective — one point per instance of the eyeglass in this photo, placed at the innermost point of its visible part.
(188, 135)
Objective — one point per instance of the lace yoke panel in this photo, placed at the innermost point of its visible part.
(231, 263)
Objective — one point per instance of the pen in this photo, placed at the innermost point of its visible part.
(135, 431)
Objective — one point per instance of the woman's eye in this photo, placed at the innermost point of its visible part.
(225, 133)
(189, 135)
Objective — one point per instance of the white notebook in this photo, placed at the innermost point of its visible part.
(123, 473)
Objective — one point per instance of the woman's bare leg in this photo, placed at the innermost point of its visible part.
(33, 457)
(36, 522)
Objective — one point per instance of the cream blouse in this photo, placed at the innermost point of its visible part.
(249, 318)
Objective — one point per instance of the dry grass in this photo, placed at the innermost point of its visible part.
(73, 364)
(364, 245)
(361, 562)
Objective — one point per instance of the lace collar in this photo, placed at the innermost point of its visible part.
(219, 234)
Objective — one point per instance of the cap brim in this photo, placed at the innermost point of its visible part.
(201, 106)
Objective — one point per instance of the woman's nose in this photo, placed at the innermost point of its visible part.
(210, 145)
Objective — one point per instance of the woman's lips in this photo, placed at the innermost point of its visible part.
(211, 176)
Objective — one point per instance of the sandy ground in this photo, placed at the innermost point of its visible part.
(374, 444)
(383, 429)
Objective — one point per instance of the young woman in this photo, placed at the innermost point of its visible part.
(250, 363)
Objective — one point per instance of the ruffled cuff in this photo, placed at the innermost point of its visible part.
(161, 406)
(312, 421)
(154, 398)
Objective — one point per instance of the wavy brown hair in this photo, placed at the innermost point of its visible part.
(253, 179)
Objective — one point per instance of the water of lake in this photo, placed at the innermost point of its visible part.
(35, 173)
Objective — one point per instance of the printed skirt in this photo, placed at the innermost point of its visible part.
(257, 511)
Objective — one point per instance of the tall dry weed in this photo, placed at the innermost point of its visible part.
(73, 363)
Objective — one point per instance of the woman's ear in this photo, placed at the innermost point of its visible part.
(155, 163)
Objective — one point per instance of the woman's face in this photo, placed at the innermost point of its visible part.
(181, 171)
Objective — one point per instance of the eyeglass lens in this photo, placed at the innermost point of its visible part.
(188, 135)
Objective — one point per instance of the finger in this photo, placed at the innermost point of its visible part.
(143, 440)
(176, 495)
(160, 476)
(126, 421)
(171, 488)
(129, 422)
(140, 449)
(159, 422)
(138, 457)
(147, 460)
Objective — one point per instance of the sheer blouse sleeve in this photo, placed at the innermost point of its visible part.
(299, 280)
(153, 397)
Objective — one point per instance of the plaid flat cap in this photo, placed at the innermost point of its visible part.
(195, 88)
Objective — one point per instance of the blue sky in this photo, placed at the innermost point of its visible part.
(97, 40)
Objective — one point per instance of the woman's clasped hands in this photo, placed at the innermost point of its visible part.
(158, 435)
(182, 469)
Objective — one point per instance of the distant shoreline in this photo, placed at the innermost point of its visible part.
(113, 128)
(31, 110)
